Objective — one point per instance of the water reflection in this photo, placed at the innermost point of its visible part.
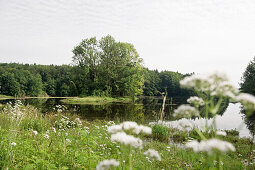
(230, 116)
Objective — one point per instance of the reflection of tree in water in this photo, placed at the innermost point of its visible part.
(249, 120)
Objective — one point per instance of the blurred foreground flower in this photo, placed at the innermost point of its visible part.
(107, 164)
(125, 139)
(153, 154)
(210, 145)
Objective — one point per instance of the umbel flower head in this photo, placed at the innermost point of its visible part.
(247, 100)
(215, 84)
(197, 101)
(153, 154)
(125, 139)
(185, 111)
(130, 126)
(210, 145)
(107, 164)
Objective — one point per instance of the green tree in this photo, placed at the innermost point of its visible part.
(248, 79)
(8, 84)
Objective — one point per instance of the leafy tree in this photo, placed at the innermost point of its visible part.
(248, 79)
(8, 84)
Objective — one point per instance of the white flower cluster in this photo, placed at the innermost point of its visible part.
(153, 154)
(186, 111)
(107, 164)
(130, 126)
(221, 133)
(65, 123)
(125, 139)
(15, 111)
(247, 100)
(215, 84)
(210, 145)
(60, 108)
(197, 101)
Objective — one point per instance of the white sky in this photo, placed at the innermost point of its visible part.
(198, 36)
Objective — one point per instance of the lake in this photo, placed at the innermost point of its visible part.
(146, 110)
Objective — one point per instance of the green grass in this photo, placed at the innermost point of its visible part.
(90, 144)
(96, 100)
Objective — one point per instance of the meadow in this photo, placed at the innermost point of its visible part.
(60, 140)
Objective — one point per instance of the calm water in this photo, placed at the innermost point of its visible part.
(145, 111)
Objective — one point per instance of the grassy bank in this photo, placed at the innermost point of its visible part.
(96, 100)
(3, 97)
(31, 140)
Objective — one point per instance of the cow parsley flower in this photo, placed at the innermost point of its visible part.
(107, 164)
(46, 136)
(210, 145)
(222, 133)
(186, 111)
(215, 84)
(68, 140)
(130, 126)
(125, 139)
(197, 101)
(153, 154)
(114, 128)
(13, 144)
(35, 132)
(247, 100)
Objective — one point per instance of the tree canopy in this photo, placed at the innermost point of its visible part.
(248, 79)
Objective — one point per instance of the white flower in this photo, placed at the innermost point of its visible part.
(125, 139)
(185, 111)
(68, 140)
(54, 130)
(210, 145)
(247, 100)
(13, 144)
(46, 136)
(222, 133)
(153, 154)
(144, 129)
(213, 84)
(196, 101)
(114, 128)
(35, 132)
(128, 125)
(107, 164)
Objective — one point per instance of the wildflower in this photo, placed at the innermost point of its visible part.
(35, 132)
(114, 128)
(13, 144)
(144, 129)
(213, 84)
(197, 101)
(210, 145)
(68, 140)
(153, 154)
(54, 130)
(130, 126)
(107, 164)
(247, 100)
(46, 136)
(222, 133)
(185, 111)
(125, 139)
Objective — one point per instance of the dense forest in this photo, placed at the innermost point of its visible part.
(99, 68)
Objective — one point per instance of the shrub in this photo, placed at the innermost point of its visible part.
(160, 132)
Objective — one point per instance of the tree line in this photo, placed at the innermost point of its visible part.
(102, 67)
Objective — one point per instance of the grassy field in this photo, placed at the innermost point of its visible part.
(31, 140)
(96, 100)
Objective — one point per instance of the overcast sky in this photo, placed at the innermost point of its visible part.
(198, 36)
